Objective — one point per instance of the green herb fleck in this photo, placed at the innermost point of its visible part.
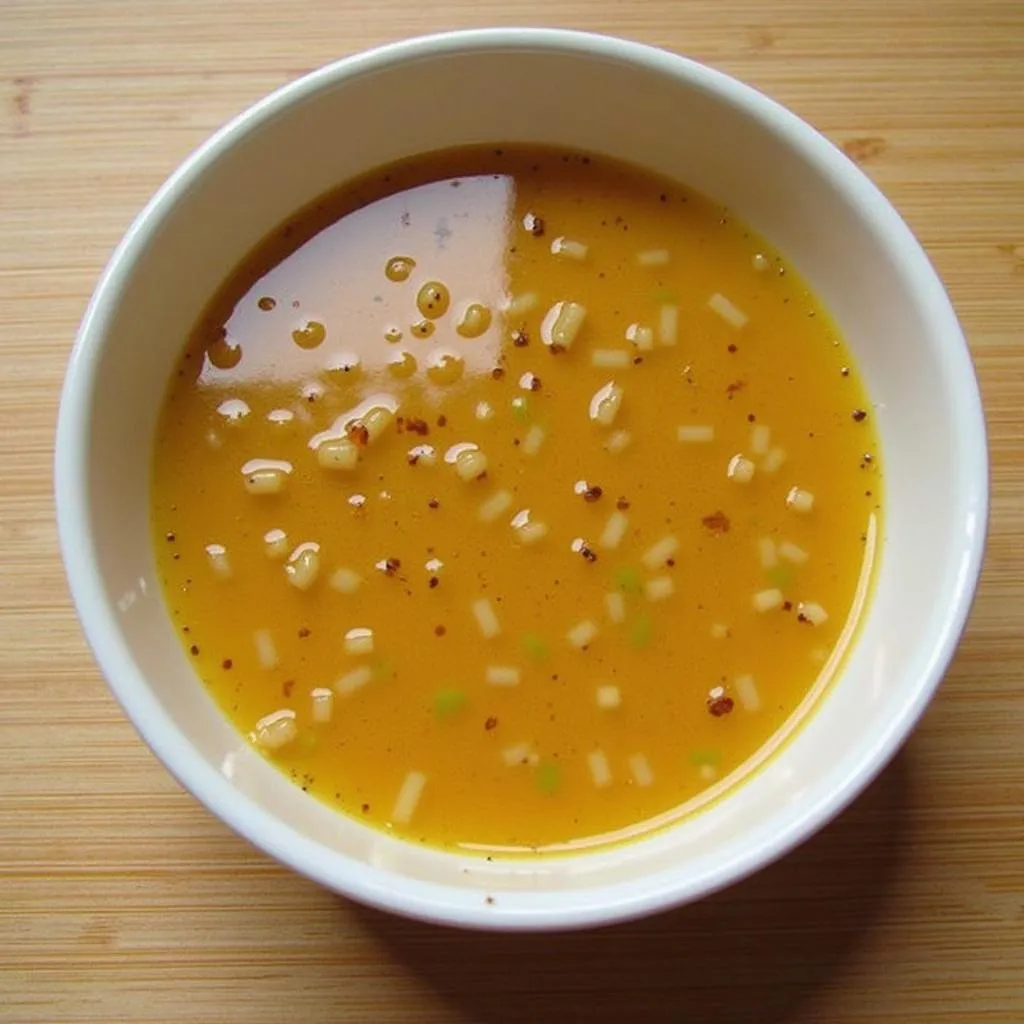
(535, 646)
(699, 758)
(627, 579)
(521, 408)
(448, 703)
(548, 777)
(641, 631)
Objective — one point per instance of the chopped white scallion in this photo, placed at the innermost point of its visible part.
(533, 440)
(747, 693)
(408, 798)
(422, 455)
(359, 641)
(494, 506)
(605, 404)
(321, 705)
(608, 697)
(695, 433)
(730, 313)
(486, 618)
(640, 769)
(266, 476)
(659, 553)
(234, 410)
(345, 581)
(353, 680)
(668, 324)
(484, 411)
(527, 529)
(793, 553)
(276, 730)
(377, 419)
(562, 324)
(266, 649)
(760, 439)
(522, 304)
(337, 453)
(582, 634)
(501, 675)
(610, 358)
(470, 464)
(659, 588)
(800, 500)
(615, 606)
(768, 553)
(773, 460)
(759, 262)
(614, 531)
(568, 248)
(600, 769)
(641, 336)
(740, 469)
(519, 754)
(653, 257)
(303, 566)
(618, 442)
(275, 544)
(812, 612)
(768, 600)
(217, 557)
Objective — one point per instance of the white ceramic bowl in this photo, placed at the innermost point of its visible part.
(607, 96)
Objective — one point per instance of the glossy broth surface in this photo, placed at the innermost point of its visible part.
(515, 500)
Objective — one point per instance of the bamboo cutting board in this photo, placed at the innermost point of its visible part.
(121, 899)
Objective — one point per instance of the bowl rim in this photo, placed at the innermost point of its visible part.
(437, 902)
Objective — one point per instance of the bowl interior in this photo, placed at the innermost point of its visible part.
(608, 97)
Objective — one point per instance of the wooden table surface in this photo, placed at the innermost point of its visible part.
(122, 899)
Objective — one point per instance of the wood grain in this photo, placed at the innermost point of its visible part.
(122, 899)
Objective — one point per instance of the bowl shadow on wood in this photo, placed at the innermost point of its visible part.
(757, 953)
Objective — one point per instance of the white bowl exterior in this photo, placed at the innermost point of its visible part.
(605, 96)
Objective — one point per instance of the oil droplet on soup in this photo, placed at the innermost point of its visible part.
(560, 567)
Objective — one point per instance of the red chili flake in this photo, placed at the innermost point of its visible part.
(417, 426)
(391, 566)
(735, 387)
(520, 338)
(412, 458)
(534, 224)
(592, 494)
(787, 606)
(720, 706)
(859, 415)
(287, 688)
(366, 808)
(171, 538)
(491, 723)
(433, 582)
(266, 303)
(534, 383)
(226, 663)
(303, 632)
(193, 650)
(358, 433)
(800, 617)
(489, 900)
(556, 349)
(442, 420)
(588, 553)
(434, 503)
(439, 631)
(732, 350)
(622, 504)
(717, 522)
(497, 373)
(845, 371)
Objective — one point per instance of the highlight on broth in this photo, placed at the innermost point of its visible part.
(513, 500)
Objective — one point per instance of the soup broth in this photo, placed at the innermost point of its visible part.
(515, 500)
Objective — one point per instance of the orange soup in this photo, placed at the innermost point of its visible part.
(513, 500)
